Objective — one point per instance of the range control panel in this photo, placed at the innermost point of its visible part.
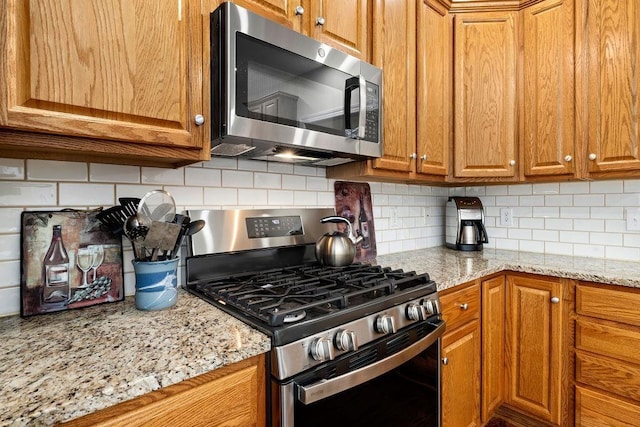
(273, 226)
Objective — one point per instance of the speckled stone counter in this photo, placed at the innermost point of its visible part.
(59, 366)
(56, 367)
(449, 268)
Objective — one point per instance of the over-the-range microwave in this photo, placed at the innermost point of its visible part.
(279, 95)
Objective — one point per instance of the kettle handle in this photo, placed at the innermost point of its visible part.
(337, 220)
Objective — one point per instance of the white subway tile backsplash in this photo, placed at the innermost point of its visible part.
(220, 196)
(580, 218)
(162, 176)
(11, 169)
(294, 182)
(87, 194)
(203, 177)
(267, 180)
(280, 197)
(237, 179)
(252, 198)
(114, 173)
(49, 170)
(21, 193)
(606, 187)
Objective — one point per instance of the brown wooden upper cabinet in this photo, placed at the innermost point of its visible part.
(608, 81)
(122, 79)
(485, 130)
(548, 144)
(338, 23)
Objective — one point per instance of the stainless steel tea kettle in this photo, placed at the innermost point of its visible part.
(337, 249)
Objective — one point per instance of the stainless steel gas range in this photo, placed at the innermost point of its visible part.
(353, 345)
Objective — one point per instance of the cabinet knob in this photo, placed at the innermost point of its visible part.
(299, 10)
(413, 156)
(423, 157)
(445, 361)
(512, 162)
(199, 119)
(555, 300)
(464, 306)
(592, 156)
(568, 158)
(319, 20)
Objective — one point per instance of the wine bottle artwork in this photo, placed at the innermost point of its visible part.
(55, 271)
(364, 225)
(353, 201)
(68, 261)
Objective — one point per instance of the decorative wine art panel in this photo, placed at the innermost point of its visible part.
(353, 202)
(68, 260)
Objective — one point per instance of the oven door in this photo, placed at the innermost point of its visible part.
(394, 381)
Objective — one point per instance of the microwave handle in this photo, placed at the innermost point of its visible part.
(351, 84)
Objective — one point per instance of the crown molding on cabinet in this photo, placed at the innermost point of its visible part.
(444, 6)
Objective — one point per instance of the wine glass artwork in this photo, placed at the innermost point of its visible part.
(84, 260)
(98, 258)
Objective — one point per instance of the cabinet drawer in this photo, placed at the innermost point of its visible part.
(618, 304)
(609, 339)
(595, 409)
(460, 305)
(609, 375)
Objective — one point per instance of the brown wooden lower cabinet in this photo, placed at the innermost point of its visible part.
(607, 356)
(231, 396)
(461, 356)
(493, 341)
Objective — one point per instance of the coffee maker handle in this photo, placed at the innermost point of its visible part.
(482, 233)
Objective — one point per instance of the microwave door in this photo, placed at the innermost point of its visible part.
(351, 84)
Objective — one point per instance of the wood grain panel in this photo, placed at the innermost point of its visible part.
(231, 396)
(609, 375)
(493, 344)
(394, 50)
(609, 339)
(548, 99)
(595, 409)
(434, 91)
(609, 303)
(460, 305)
(610, 33)
(461, 376)
(345, 24)
(485, 94)
(534, 341)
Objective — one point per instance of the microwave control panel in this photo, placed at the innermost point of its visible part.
(373, 113)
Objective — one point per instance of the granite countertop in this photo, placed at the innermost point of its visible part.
(60, 366)
(449, 268)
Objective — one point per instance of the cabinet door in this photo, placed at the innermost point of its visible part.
(608, 35)
(126, 70)
(394, 51)
(493, 327)
(548, 101)
(461, 376)
(434, 84)
(340, 23)
(534, 343)
(485, 50)
(284, 12)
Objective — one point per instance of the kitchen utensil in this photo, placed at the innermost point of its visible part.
(156, 205)
(114, 218)
(129, 205)
(337, 249)
(161, 237)
(136, 233)
(188, 229)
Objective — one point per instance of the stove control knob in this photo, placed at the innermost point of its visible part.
(385, 324)
(432, 306)
(321, 349)
(346, 340)
(416, 312)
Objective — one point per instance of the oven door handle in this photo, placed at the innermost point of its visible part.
(325, 388)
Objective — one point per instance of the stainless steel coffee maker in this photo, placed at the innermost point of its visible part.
(464, 224)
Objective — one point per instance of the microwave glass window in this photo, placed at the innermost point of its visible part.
(276, 85)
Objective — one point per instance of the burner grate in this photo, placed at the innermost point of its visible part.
(292, 294)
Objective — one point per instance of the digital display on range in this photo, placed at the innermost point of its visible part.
(273, 226)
